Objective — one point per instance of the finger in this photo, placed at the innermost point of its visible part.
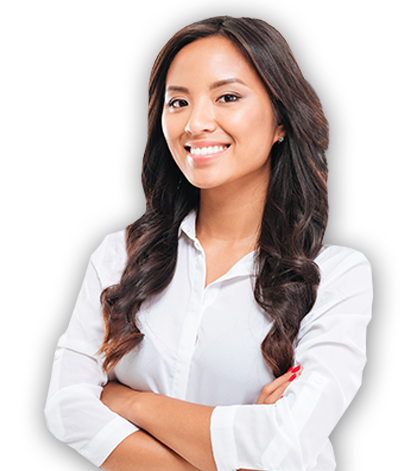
(277, 383)
(276, 395)
(271, 392)
(283, 380)
(293, 373)
(286, 379)
(280, 391)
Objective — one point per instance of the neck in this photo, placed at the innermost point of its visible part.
(232, 213)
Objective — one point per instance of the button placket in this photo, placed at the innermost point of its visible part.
(188, 338)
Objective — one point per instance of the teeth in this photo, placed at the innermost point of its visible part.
(207, 150)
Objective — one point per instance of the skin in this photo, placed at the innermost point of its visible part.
(213, 98)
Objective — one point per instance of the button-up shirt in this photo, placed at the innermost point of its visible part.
(202, 344)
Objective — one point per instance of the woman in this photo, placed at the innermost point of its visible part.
(232, 338)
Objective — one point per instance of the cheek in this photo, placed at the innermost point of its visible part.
(171, 129)
(254, 123)
(171, 135)
(255, 137)
(165, 127)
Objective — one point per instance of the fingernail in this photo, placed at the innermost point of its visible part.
(293, 377)
(290, 369)
(295, 370)
(281, 397)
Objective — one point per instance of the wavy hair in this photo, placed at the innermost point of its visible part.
(295, 213)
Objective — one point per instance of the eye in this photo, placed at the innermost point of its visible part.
(228, 98)
(177, 103)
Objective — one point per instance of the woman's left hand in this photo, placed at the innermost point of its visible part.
(273, 391)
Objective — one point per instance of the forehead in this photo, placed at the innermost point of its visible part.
(212, 58)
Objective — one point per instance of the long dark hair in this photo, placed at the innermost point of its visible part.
(295, 214)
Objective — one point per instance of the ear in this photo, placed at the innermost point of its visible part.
(280, 133)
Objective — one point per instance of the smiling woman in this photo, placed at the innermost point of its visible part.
(218, 332)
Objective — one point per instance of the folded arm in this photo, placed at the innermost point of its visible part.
(142, 452)
(183, 427)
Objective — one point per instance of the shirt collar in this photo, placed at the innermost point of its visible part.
(244, 267)
(188, 226)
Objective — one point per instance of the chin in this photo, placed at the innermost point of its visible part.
(206, 182)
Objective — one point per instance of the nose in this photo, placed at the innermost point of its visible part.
(201, 118)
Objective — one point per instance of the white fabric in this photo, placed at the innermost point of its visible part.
(203, 345)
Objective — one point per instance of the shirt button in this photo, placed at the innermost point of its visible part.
(320, 380)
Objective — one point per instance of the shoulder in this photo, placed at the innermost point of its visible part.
(345, 292)
(110, 257)
(334, 255)
(343, 269)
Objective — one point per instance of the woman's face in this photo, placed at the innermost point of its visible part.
(217, 118)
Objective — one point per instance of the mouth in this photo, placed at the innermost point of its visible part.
(205, 152)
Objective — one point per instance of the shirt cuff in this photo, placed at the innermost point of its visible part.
(109, 437)
(223, 439)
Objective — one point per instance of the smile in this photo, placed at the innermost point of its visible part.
(206, 150)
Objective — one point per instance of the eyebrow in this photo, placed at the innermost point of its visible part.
(213, 86)
(175, 88)
(220, 83)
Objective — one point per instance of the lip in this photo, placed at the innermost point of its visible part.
(200, 159)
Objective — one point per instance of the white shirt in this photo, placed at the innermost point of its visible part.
(203, 345)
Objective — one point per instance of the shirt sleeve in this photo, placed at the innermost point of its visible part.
(74, 412)
(290, 434)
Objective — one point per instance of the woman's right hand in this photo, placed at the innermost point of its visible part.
(273, 391)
